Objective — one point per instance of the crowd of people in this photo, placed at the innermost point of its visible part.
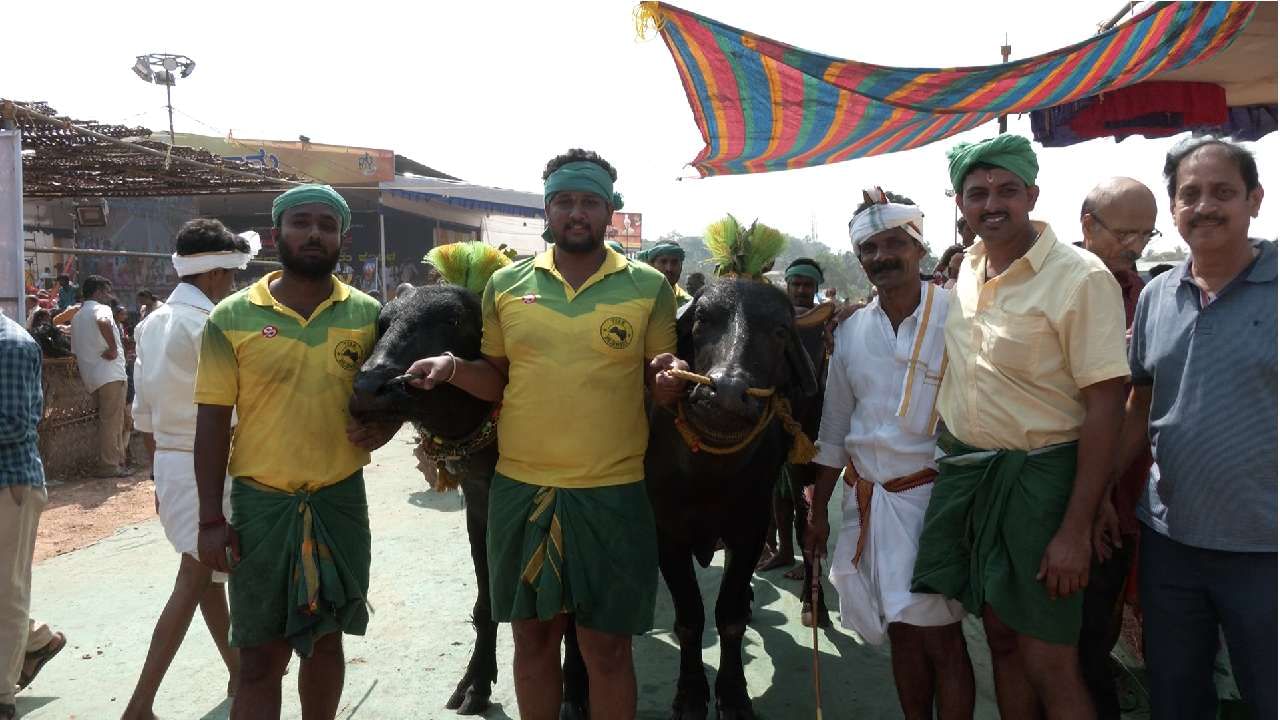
(1026, 434)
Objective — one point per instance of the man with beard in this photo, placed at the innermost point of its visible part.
(879, 424)
(1117, 220)
(1032, 402)
(571, 531)
(206, 258)
(1203, 358)
(667, 257)
(283, 353)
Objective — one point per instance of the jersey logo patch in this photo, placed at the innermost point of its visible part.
(269, 331)
(616, 332)
(347, 354)
(529, 299)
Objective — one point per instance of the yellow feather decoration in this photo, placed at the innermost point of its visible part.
(742, 251)
(469, 264)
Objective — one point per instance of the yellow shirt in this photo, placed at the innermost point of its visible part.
(1021, 345)
(289, 379)
(573, 410)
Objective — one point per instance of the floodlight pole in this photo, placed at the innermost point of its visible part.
(1005, 49)
(168, 100)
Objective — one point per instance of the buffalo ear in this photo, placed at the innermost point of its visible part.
(802, 373)
(684, 328)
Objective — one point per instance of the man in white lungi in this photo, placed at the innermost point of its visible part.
(879, 424)
(164, 407)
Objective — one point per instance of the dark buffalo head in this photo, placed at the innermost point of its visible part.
(424, 322)
(741, 334)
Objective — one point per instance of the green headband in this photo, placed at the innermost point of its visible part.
(663, 248)
(1011, 152)
(805, 270)
(308, 194)
(582, 176)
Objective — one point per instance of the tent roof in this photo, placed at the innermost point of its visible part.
(84, 158)
(467, 196)
(1247, 69)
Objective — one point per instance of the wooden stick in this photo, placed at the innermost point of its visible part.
(817, 665)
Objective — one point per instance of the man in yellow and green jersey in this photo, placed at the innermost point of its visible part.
(283, 354)
(572, 338)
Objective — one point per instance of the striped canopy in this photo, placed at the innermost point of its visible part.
(762, 105)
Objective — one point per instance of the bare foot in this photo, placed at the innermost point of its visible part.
(775, 561)
(796, 573)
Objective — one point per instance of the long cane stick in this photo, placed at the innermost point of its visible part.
(817, 666)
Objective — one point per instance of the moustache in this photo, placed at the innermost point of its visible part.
(1200, 219)
(879, 267)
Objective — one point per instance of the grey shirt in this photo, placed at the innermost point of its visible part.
(1212, 369)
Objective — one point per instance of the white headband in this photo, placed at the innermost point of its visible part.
(884, 215)
(186, 265)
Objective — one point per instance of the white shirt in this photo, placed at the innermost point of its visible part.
(88, 345)
(864, 382)
(164, 373)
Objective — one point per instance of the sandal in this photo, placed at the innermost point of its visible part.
(41, 656)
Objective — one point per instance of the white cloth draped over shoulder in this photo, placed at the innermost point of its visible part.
(879, 415)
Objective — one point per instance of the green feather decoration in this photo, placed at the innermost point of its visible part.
(742, 251)
(469, 264)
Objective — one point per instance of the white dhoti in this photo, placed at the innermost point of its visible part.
(877, 591)
(179, 502)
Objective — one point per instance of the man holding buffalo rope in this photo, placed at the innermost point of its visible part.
(571, 532)
(879, 424)
(1032, 401)
(283, 353)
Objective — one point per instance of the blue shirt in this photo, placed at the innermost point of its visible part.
(1212, 372)
(21, 406)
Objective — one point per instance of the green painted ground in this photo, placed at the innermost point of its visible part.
(106, 598)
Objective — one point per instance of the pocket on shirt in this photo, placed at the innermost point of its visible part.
(1015, 341)
(347, 351)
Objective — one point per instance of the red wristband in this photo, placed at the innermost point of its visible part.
(207, 524)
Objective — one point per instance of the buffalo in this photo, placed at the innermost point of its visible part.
(712, 464)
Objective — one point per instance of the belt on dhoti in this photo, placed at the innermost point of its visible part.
(863, 489)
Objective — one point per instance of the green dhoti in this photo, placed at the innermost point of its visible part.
(991, 516)
(592, 552)
(304, 563)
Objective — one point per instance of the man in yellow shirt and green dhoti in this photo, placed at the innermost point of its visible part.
(283, 353)
(1032, 401)
(572, 339)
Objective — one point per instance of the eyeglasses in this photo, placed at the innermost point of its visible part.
(1123, 235)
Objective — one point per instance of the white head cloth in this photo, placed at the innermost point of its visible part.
(884, 215)
(186, 265)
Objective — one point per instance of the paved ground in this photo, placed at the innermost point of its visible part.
(106, 597)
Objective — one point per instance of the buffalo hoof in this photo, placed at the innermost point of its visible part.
(735, 712)
(689, 712)
(469, 699)
(572, 711)
(690, 702)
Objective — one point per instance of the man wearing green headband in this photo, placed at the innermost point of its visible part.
(667, 257)
(282, 354)
(803, 276)
(1031, 400)
(571, 531)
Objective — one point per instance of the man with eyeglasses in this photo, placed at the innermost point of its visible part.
(1117, 220)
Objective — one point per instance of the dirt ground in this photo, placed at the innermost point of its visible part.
(83, 510)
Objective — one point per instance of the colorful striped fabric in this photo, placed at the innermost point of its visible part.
(762, 105)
